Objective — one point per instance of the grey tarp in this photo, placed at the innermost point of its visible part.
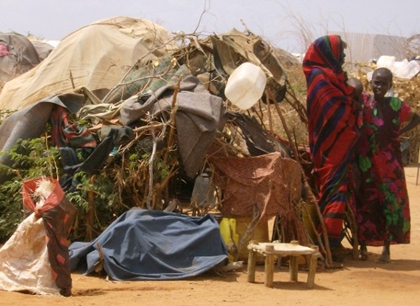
(199, 114)
(153, 245)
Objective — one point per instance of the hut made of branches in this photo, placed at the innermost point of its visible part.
(182, 126)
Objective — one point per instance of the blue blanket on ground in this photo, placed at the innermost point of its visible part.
(153, 245)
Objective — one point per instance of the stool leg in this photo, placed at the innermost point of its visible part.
(252, 260)
(312, 270)
(269, 270)
(293, 268)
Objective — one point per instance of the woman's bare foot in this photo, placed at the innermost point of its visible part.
(363, 252)
(386, 253)
(385, 258)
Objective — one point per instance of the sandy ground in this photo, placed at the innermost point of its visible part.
(357, 283)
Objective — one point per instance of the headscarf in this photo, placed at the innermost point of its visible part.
(328, 96)
(327, 54)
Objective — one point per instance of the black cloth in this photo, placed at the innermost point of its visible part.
(95, 160)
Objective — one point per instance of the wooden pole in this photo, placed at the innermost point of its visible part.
(354, 231)
(90, 216)
(324, 230)
(270, 119)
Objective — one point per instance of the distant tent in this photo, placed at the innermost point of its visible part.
(43, 48)
(17, 55)
(96, 56)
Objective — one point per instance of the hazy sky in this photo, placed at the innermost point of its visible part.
(285, 23)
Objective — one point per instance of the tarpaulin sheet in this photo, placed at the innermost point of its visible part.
(30, 122)
(199, 115)
(96, 56)
(153, 245)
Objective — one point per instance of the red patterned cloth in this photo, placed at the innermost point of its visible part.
(4, 50)
(58, 214)
(66, 134)
(268, 183)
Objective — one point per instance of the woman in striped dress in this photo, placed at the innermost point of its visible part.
(332, 128)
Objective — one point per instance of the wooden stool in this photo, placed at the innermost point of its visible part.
(271, 250)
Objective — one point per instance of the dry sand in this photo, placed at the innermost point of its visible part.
(358, 283)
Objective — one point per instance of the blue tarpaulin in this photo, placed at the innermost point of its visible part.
(153, 245)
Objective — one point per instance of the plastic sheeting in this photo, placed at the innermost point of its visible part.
(96, 56)
(152, 245)
(24, 262)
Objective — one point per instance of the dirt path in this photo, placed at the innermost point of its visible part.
(358, 283)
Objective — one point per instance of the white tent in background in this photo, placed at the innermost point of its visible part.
(363, 47)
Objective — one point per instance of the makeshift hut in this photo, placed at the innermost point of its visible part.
(147, 124)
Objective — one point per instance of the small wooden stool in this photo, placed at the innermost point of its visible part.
(271, 250)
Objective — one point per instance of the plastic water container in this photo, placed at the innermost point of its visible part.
(386, 61)
(408, 70)
(246, 85)
(230, 237)
(203, 191)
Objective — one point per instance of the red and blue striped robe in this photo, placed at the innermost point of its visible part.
(332, 129)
